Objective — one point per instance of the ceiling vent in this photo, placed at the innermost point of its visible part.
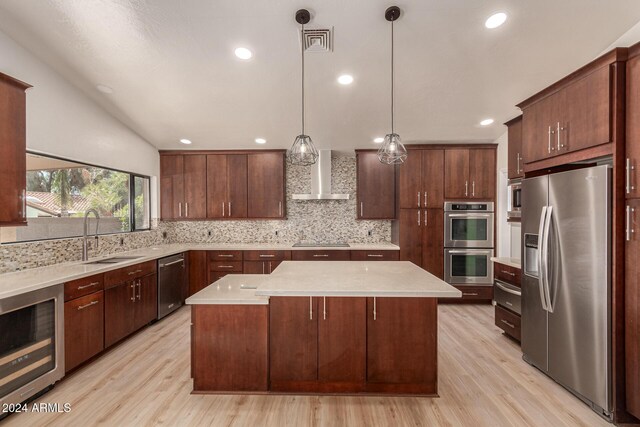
(318, 39)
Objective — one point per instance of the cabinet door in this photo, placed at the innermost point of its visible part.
(119, 306)
(217, 186)
(146, 306)
(293, 339)
(254, 267)
(410, 181)
(195, 186)
(341, 339)
(172, 186)
(237, 186)
(401, 340)
(633, 126)
(266, 185)
(632, 309)
(515, 167)
(482, 173)
(433, 179)
(198, 271)
(13, 169)
(433, 242)
(83, 329)
(535, 133)
(456, 173)
(411, 235)
(376, 187)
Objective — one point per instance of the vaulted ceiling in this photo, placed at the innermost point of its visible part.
(174, 75)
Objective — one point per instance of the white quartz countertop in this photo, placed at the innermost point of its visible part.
(354, 279)
(511, 262)
(37, 278)
(232, 289)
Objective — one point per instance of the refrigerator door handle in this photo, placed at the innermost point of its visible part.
(547, 279)
(541, 265)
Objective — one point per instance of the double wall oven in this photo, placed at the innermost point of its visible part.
(468, 242)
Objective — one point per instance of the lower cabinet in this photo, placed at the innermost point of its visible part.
(353, 344)
(128, 307)
(259, 267)
(198, 271)
(422, 239)
(83, 329)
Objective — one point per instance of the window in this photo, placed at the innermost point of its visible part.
(59, 193)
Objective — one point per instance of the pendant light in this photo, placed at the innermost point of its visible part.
(303, 152)
(392, 151)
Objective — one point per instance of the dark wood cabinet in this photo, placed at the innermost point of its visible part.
(146, 304)
(508, 321)
(456, 174)
(470, 173)
(515, 163)
(13, 166)
(632, 186)
(422, 239)
(321, 255)
(402, 345)
(85, 286)
(183, 183)
(266, 185)
(371, 255)
(376, 187)
(119, 309)
(632, 307)
(422, 179)
(263, 262)
(227, 186)
(83, 329)
(198, 271)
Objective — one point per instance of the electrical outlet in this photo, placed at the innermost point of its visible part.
(209, 233)
(122, 241)
(277, 233)
(370, 233)
(164, 234)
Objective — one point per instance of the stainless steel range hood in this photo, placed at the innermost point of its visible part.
(321, 180)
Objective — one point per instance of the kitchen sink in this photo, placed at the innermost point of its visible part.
(114, 260)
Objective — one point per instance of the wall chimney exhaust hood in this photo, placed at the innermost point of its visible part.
(321, 180)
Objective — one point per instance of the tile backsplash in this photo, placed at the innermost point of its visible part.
(314, 220)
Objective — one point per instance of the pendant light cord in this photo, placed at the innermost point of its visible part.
(392, 81)
(302, 46)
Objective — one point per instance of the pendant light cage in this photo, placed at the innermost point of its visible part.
(392, 151)
(303, 152)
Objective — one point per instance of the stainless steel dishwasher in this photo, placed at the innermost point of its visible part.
(171, 281)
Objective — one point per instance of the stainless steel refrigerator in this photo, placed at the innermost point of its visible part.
(566, 286)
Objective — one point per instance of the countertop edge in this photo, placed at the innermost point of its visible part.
(511, 262)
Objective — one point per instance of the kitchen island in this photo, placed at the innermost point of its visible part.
(332, 327)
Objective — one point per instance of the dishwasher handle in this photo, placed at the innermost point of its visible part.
(172, 263)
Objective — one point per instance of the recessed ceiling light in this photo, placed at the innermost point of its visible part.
(486, 122)
(104, 89)
(185, 141)
(495, 20)
(261, 141)
(345, 79)
(378, 140)
(243, 53)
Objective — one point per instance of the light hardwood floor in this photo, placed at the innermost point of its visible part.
(483, 381)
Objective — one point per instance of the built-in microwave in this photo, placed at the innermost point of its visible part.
(514, 201)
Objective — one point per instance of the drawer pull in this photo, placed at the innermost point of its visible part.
(511, 325)
(225, 256)
(266, 256)
(88, 286)
(131, 273)
(508, 272)
(469, 294)
(82, 307)
(225, 266)
(320, 255)
(375, 255)
(507, 288)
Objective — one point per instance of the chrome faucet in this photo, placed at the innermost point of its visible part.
(85, 243)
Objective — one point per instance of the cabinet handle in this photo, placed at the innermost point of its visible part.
(225, 256)
(266, 256)
(23, 213)
(133, 293)
(375, 255)
(418, 199)
(375, 311)
(179, 209)
(88, 286)
(324, 308)
(223, 209)
(225, 266)
(269, 267)
(229, 209)
(131, 273)
(186, 209)
(425, 218)
(425, 199)
(630, 167)
(466, 188)
(263, 268)
(418, 218)
(320, 255)
(310, 308)
(139, 285)
(361, 209)
(629, 230)
(508, 272)
(473, 189)
(470, 294)
(549, 144)
(280, 207)
(558, 129)
(82, 307)
(511, 325)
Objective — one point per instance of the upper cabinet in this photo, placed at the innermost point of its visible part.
(632, 184)
(376, 187)
(222, 185)
(13, 147)
(575, 114)
(515, 168)
(183, 181)
(470, 173)
(422, 180)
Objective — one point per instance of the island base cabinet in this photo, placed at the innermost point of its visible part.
(402, 345)
(229, 348)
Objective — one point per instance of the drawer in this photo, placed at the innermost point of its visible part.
(321, 255)
(375, 255)
(473, 293)
(507, 296)
(507, 274)
(267, 255)
(225, 255)
(508, 321)
(226, 266)
(121, 275)
(84, 286)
